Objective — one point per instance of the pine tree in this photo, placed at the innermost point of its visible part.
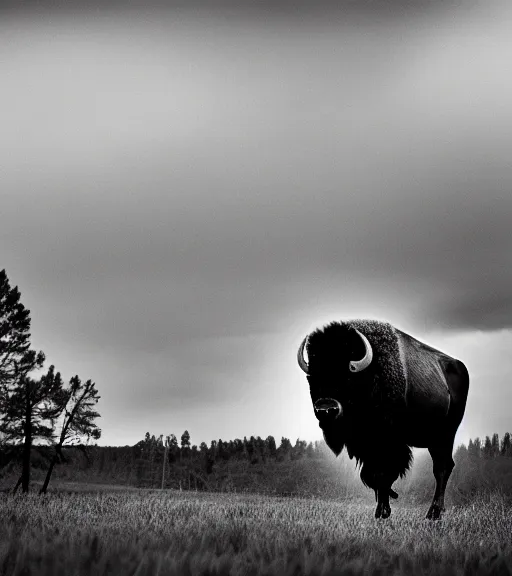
(285, 447)
(506, 445)
(261, 448)
(495, 446)
(16, 358)
(238, 448)
(271, 446)
(173, 448)
(33, 406)
(213, 450)
(185, 442)
(223, 453)
(251, 449)
(77, 405)
(231, 449)
(487, 448)
(460, 453)
(299, 449)
(310, 450)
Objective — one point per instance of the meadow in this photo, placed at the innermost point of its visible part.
(168, 533)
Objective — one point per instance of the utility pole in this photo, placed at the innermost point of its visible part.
(165, 460)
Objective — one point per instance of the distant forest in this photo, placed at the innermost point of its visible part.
(260, 466)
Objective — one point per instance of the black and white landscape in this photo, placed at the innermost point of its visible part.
(187, 189)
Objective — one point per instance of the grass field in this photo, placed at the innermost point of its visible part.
(171, 533)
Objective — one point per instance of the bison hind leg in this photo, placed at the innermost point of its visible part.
(443, 466)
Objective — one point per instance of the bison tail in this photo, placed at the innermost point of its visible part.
(393, 494)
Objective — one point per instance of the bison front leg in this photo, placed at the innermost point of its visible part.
(382, 495)
(381, 484)
(383, 509)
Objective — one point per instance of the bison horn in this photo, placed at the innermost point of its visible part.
(358, 365)
(300, 356)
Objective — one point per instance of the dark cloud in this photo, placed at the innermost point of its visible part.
(369, 8)
(477, 310)
(182, 199)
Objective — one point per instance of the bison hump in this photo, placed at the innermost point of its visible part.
(426, 386)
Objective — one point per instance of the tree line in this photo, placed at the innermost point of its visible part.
(159, 462)
(253, 449)
(491, 447)
(35, 404)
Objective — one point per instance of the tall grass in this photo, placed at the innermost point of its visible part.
(173, 533)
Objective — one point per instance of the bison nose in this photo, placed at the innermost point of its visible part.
(327, 408)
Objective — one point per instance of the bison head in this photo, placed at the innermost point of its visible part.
(339, 358)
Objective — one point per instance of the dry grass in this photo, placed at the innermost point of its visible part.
(172, 533)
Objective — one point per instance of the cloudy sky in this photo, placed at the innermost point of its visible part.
(185, 193)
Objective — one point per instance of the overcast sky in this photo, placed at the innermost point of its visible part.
(186, 193)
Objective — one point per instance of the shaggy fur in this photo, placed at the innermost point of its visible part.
(385, 379)
(375, 408)
(389, 381)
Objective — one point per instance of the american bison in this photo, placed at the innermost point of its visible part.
(378, 391)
